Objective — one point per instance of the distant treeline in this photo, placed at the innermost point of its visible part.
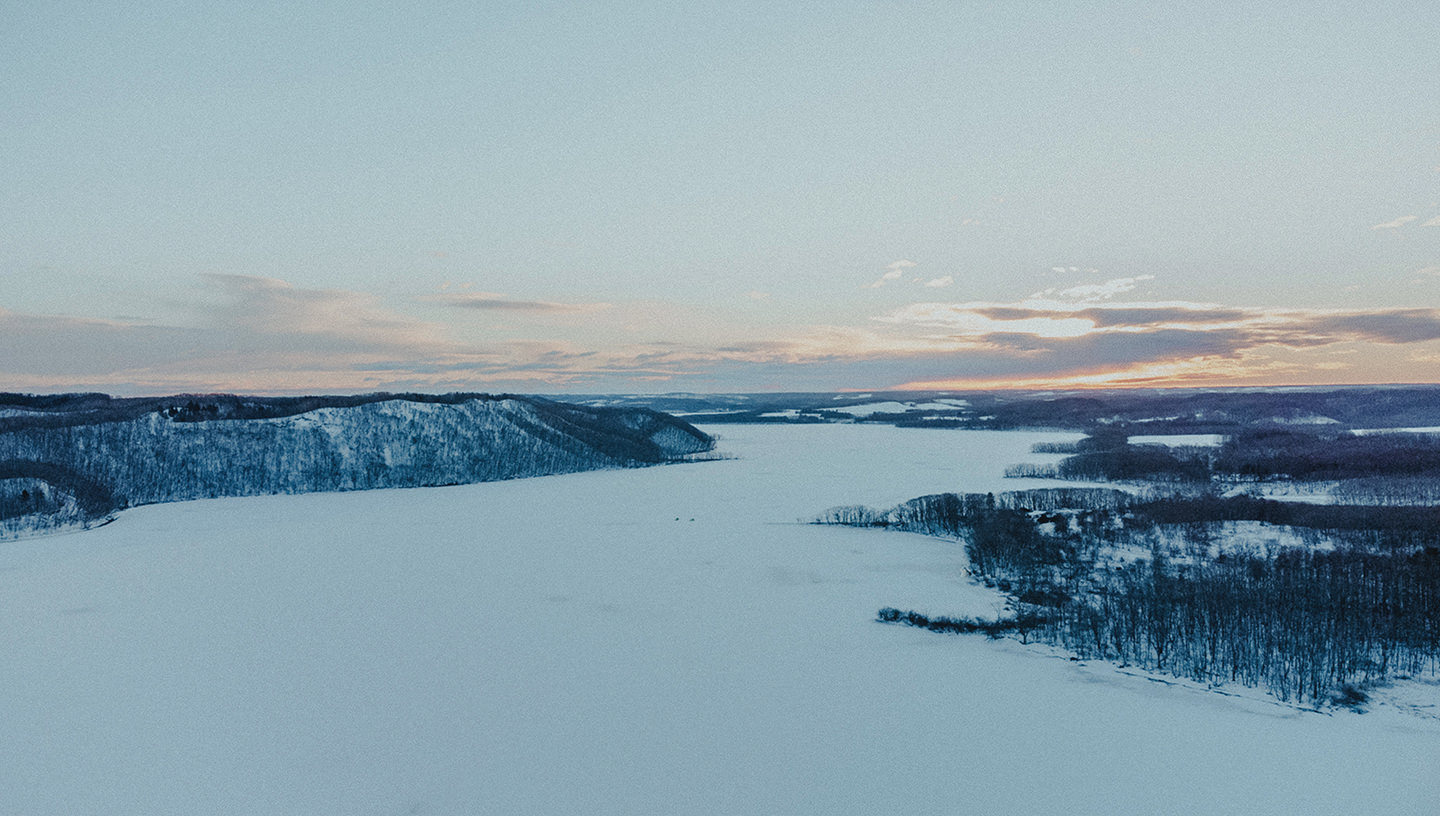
(1213, 411)
(1306, 623)
(1253, 455)
(1150, 411)
(19, 411)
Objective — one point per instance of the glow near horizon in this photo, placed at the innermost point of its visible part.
(626, 197)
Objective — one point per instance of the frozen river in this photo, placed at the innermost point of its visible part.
(658, 641)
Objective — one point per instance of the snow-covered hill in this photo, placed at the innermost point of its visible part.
(164, 456)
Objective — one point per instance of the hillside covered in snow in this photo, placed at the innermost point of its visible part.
(65, 461)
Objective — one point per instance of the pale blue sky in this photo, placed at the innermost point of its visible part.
(541, 197)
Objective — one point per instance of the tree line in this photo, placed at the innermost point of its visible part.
(1388, 460)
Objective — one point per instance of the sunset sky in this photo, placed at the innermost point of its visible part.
(634, 197)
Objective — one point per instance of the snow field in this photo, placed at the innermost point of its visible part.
(576, 644)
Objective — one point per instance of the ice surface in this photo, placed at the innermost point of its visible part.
(893, 407)
(577, 644)
(1174, 440)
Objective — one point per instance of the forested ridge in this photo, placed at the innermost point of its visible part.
(76, 458)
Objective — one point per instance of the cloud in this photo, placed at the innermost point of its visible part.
(485, 301)
(1394, 326)
(757, 296)
(265, 335)
(1397, 223)
(1109, 350)
(937, 283)
(895, 271)
(828, 359)
(271, 313)
(894, 274)
(1091, 292)
(1128, 316)
(239, 333)
(1052, 318)
(1151, 342)
(1434, 222)
(81, 349)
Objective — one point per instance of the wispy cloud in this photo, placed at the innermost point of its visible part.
(1396, 326)
(266, 335)
(895, 270)
(1434, 222)
(241, 333)
(938, 283)
(1396, 223)
(1092, 292)
(485, 301)
(1123, 315)
(255, 308)
(1084, 338)
(1047, 320)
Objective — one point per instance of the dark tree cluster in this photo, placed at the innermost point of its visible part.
(1133, 463)
(1313, 457)
(1304, 623)
(953, 513)
(1423, 520)
(1021, 625)
(22, 497)
(1105, 454)
(38, 496)
(1394, 459)
(54, 485)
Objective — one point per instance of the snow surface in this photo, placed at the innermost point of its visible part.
(577, 644)
(1429, 429)
(893, 407)
(1308, 419)
(1179, 440)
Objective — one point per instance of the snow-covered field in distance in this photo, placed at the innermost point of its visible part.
(577, 644)
(1177, 440)
(1370, 431)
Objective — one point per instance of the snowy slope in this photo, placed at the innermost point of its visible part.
(577, 644)
(390, 443)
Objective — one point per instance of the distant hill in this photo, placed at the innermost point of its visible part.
(76, 458)
(1138, 411)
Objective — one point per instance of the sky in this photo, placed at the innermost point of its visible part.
(655, 197)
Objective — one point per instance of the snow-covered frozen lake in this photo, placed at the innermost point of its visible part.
(657, 641)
